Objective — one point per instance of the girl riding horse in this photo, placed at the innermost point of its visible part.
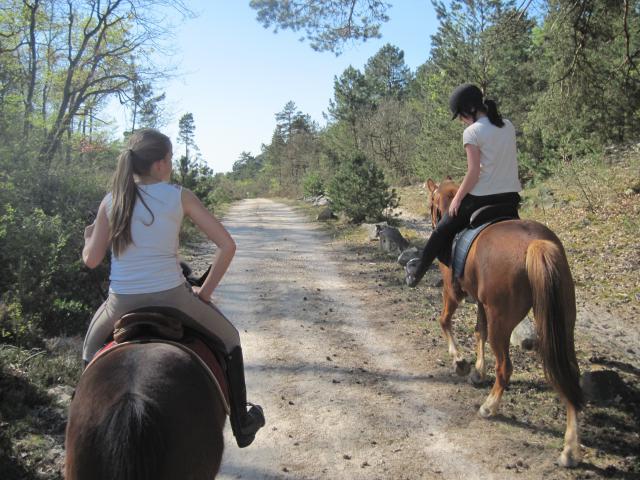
(140, 221)
(492, 170)
(512, 267)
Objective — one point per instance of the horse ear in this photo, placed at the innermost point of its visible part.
(431, 185)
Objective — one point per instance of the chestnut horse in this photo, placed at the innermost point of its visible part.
(144, 411)
(513, 266)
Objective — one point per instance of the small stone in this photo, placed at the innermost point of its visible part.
(346, 457)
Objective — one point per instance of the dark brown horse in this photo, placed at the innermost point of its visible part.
(513, 266)
(145, 411)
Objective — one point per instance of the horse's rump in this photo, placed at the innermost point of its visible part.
(145, 411)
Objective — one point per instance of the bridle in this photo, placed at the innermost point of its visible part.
(436, 216)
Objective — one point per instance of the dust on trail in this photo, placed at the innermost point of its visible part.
(342, 395)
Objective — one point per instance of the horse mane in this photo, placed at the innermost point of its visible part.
(448, 188)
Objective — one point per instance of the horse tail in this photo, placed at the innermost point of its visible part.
(554, 309)
(130, 441)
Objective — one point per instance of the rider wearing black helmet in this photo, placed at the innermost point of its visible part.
(492, 170)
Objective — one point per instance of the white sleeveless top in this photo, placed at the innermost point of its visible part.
(498, 156)
(150, 264)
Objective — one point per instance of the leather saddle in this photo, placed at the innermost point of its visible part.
(456, 257)
(165, 325)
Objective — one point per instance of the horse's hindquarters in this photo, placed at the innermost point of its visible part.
(145, 411)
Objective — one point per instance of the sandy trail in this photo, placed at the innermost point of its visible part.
(343, 398)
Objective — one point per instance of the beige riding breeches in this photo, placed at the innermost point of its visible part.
(202, 316)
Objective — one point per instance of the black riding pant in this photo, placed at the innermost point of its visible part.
(448, 226)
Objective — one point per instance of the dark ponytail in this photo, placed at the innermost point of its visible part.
(145, 147)
(492, 113)
(124, 192)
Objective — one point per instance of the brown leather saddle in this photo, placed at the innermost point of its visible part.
(165, 325)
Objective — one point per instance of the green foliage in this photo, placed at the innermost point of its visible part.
(247, 166)
(360, 191)
(312, 185)
(327, 24)
(56, 156)
(45, 286)
(386, 74)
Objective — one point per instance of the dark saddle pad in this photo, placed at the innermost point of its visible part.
(480, 219)
(163, 327)
(147, 324)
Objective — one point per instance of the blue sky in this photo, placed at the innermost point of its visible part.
(234, 75)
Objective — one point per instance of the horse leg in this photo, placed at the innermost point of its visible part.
(479, 373)
(499, 341)
(570, 456)
(460, 365)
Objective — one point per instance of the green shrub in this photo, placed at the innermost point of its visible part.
(14, 326)
(360, 191)
(312, 185)
(45, 287)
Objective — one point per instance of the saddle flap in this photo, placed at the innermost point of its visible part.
(153, 324)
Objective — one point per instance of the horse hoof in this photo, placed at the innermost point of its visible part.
(485, 412)
(462, 368)
(568, 459)
(475, 378)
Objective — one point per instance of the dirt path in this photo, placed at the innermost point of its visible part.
(346, 393)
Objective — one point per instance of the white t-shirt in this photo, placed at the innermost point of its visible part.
(150, 264)
(498, 161)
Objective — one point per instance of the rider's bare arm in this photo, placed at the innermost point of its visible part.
(214, 230)
(470, 179)
(96, 238)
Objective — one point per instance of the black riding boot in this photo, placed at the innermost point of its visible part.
(244, 423)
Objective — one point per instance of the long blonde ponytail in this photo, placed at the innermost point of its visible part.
(145, 147)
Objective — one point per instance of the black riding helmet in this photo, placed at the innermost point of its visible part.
(464, 99)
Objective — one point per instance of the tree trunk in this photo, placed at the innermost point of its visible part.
(32, 68)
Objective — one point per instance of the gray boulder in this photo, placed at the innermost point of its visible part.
(326, 214)
(321, 201)
(391, 240)
(524, 335)
(373, 229)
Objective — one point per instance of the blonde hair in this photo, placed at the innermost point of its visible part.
(145, 147)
